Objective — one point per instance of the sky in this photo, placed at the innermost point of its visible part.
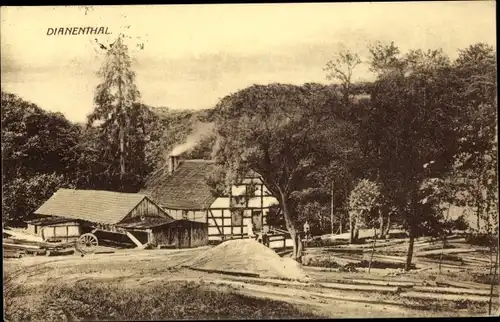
(194, 55)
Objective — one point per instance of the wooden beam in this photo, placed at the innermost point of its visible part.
(134, 240)
(216, 225)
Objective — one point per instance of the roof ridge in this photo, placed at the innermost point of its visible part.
(197, 160)
(105, 191)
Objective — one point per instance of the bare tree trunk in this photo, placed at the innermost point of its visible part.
(444, 238)
(381, 220)
(296, 242)
(352, 227)
(493, 278)
(293, 235)
(122, 150)
(409, 255)
(373, 248)
(300, 248)
(388, 227)
(442, 249)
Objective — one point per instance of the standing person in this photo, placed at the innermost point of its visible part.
(307, 230)
(250, 230)
(265, 236)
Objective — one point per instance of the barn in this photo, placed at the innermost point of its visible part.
(70, 213)
(182, 190)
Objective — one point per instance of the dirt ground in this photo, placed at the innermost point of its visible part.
(136, 268)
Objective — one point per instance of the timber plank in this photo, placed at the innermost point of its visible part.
(445, 297)
(452, 290)
(360, 287)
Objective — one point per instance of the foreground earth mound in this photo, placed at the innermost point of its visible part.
(247, 256)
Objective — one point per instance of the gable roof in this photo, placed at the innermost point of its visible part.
(106, 207)
(185, 189)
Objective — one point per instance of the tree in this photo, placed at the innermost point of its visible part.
(23, 195)
(120, 117)
(341, 69)
(476, 97)
(363, 199)
(283, 133)
(412, 121)
(39, 155)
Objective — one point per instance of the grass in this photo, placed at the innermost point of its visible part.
(91, 300)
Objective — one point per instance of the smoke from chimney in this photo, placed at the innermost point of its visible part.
(173, 162)
(200, 132)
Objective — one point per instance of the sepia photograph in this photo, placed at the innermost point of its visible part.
(249, 161)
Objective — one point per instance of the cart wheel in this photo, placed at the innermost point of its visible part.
(86, 243)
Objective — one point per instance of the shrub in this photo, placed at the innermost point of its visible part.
(480, 239)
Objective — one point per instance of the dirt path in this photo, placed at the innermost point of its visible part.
(134, 268)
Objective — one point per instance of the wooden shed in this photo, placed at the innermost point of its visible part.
(54, 228)
(136, 216)
(173, 234)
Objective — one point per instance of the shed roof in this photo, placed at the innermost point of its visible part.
(147, 223)
(49, 221)
(106, 207)
(186, 188)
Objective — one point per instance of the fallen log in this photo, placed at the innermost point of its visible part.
(445, 297)
(60, 252)
(301, 292)
(452, 290)
(380, 282)
(223, 272)
(12, 255)
(268, 281)
(445, 251)
(360, 287)
(21, 246)
(470, 285)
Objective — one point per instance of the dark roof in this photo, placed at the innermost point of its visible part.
(49, 221)
(106, 207)
(147, 223)
(186, 188)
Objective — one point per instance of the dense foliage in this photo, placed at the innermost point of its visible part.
(424, 131)
(43, 151)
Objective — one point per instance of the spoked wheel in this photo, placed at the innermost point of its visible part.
(86, 243)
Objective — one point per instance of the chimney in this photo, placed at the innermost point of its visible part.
(173, 162)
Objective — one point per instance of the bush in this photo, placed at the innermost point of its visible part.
(460, 224)
(480, 239)
(319, 262)
(325, 242)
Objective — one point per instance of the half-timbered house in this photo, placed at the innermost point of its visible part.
(181, 188)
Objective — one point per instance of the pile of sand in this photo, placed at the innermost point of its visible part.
(248, 257)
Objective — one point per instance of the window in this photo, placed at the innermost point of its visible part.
(184, 214)
(236, 217)
(36, 229)
(239, 201)
(257, 218)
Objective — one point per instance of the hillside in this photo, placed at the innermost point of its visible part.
(170, 127)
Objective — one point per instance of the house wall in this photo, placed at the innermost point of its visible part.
(199, 234)
(146, 208)
(180, 235)
(164, 235)
(229, 216)
(193, 215)
(65, 231)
